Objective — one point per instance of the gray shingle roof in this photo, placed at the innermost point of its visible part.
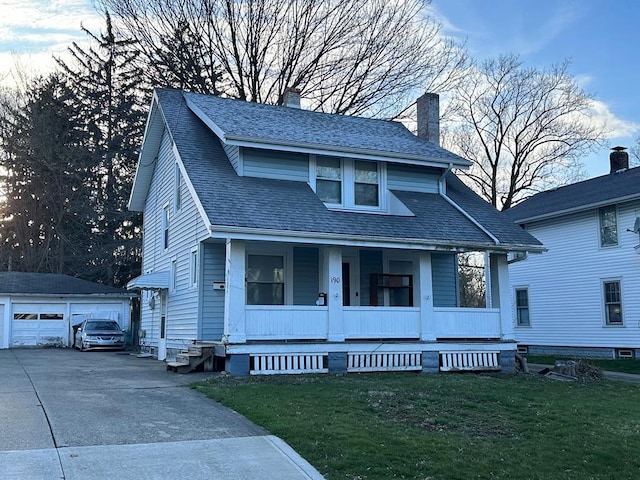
(27, 283)
(603, 190)
(293, 126)
(230, 200)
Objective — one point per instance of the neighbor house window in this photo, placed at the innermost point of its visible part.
(608, 226)
(193, 267)
(265, 280)
(329, 179)
(612, 302)
(366, 183)
(165, 226)
(522, 307)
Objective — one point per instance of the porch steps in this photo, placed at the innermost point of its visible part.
(188, 360)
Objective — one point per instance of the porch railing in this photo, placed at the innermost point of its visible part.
(381, 322)
(467, 322)
(290, 322)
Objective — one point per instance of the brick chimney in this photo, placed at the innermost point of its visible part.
(618, 159)
(291, 97)
(428, 106)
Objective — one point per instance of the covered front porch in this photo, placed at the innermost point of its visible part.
(337, 294)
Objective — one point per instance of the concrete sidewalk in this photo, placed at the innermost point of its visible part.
(101, 415)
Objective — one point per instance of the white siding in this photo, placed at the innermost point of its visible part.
(565, 284)
(233, 153)
(186, 231)
(412, 178)
(213, 300)
(278, 165)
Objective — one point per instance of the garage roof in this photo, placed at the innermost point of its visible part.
(26, 283)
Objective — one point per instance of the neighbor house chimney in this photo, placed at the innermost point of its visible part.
(291, 97)
(618, 159)
(428, 106)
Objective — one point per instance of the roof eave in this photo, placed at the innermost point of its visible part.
(578, 209)
(146, 159)
(361, 153)
(244, 233)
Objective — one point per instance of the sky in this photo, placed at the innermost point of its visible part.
(601, 38)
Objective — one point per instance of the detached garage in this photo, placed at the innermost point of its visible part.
(40, 309)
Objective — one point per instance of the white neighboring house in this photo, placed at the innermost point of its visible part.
(40, 309)
(299, 241)
(582, 297)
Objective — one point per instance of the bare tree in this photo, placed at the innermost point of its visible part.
(347, 56)
(524, 129)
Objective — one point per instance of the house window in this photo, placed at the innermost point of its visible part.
(522, 307)
(347, 182)
(193, 267)
(165, 226)
(265, 280)
(366, 183)
(178, 186)
(174, 275)
(612, 302)
(329, 179)
(608, 226)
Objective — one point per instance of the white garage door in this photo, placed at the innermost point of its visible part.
(39, 325)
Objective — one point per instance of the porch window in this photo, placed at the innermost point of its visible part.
(612, 302)
(608, 226)
(522, 307)
(265, 280)
(329, 179)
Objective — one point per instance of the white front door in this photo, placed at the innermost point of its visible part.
(162, 341)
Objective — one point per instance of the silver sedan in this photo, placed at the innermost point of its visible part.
(97, 333)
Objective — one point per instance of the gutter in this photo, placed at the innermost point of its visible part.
(243, 233)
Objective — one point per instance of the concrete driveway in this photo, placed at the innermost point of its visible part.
(101, 415)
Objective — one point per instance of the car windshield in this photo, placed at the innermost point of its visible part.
(109, 326)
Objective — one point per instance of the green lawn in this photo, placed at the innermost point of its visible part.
(446, 426)
(626, 366)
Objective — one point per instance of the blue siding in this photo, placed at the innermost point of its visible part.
(444, 273)
(272, 164)
(306, 283)
(212, 326)
(233, 154)
(370, 262)
(412, 178)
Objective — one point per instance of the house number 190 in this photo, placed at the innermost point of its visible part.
(335, 279)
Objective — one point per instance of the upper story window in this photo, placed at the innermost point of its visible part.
(608, 226)
(366, 184)
(178, 189)
(329, 179)
(348, 183)
(165, 226)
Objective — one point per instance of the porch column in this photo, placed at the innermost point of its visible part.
(501, 293)
(427, 321)
(234, 294)
(334, 300)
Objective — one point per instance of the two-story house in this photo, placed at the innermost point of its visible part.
(300, 241)
(582, 297)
